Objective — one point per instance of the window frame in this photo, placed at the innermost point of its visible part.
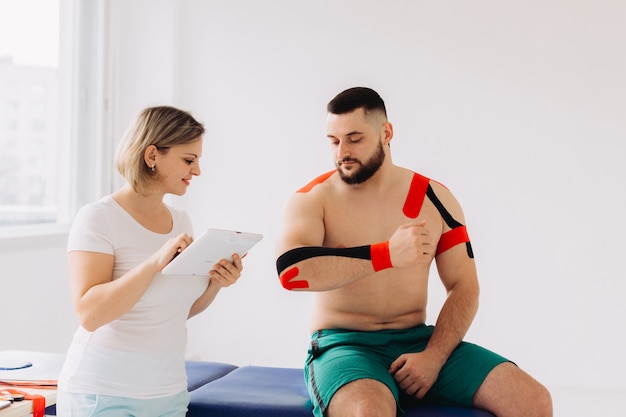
(86, 165)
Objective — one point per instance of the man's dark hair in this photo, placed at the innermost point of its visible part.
(355, 98)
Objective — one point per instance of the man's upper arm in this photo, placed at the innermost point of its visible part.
(302, 224)
(455, 261)
(455, 267)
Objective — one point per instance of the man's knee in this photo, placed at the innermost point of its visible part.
(543, 400)
(363, 398)
(509, 392)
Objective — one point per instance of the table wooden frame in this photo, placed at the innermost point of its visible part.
(25, 407)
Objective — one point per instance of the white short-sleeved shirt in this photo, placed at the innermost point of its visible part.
(142, 353)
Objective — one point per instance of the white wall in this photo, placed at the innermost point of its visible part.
(35, 302)
(518, 107)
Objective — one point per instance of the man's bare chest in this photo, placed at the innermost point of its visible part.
(356, 222)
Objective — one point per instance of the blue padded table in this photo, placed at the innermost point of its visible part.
(252, 391)
(255, 391)
(200, 373)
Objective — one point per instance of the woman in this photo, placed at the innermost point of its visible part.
(128, 354)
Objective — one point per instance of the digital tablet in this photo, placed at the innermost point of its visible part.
(208, 249)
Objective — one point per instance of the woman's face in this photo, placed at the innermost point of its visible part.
(176, 168)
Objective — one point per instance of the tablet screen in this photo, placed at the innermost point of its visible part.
(208, 249)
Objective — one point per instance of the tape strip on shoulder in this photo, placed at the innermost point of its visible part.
(447, 217)
(315, 182)
(457, 234)
(415, 197)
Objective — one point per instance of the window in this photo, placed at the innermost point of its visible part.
(50, 112)
(29, 136)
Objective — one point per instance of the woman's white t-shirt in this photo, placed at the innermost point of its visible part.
(142, 353)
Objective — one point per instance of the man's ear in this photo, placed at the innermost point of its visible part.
(387, 132)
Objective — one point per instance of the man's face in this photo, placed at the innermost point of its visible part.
(357, 145)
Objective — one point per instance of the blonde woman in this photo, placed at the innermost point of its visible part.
(127, 357)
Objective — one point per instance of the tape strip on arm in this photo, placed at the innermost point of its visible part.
(377, 253)
(455, 237)
(457, 234)
(296, 255)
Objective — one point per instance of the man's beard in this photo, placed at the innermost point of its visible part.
(366, 170)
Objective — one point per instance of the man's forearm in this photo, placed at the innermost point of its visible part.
(454, 320)
(324, 274)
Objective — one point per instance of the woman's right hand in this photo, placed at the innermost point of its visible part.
(171, 249)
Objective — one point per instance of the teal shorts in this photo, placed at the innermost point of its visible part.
(337, 357)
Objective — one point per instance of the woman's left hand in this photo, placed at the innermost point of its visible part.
(225, 273)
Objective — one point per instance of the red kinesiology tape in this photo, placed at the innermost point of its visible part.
(452, 238)
(287, 282)
(415, 197)
(316, 181)
(381, 259)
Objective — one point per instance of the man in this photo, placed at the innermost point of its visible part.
(363, 238)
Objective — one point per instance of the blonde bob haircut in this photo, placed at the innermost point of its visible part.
(163, 127)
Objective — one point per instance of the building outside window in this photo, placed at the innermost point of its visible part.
(31, 111)
(29, 143)
(52, 83)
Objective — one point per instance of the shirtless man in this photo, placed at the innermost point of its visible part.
(363, 238)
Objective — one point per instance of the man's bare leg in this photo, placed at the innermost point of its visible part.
(363, 398)
(510, 392)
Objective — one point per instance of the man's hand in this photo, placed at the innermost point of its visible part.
(410, 245)
(415, 373)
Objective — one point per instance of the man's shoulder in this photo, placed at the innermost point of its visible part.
(422, 179)
(316, 181)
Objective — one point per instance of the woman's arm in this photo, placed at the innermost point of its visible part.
(97, 298)
(223, 275)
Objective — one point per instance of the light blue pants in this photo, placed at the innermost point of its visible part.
(92, 405)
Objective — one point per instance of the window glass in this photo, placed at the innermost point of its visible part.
(31, 112)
